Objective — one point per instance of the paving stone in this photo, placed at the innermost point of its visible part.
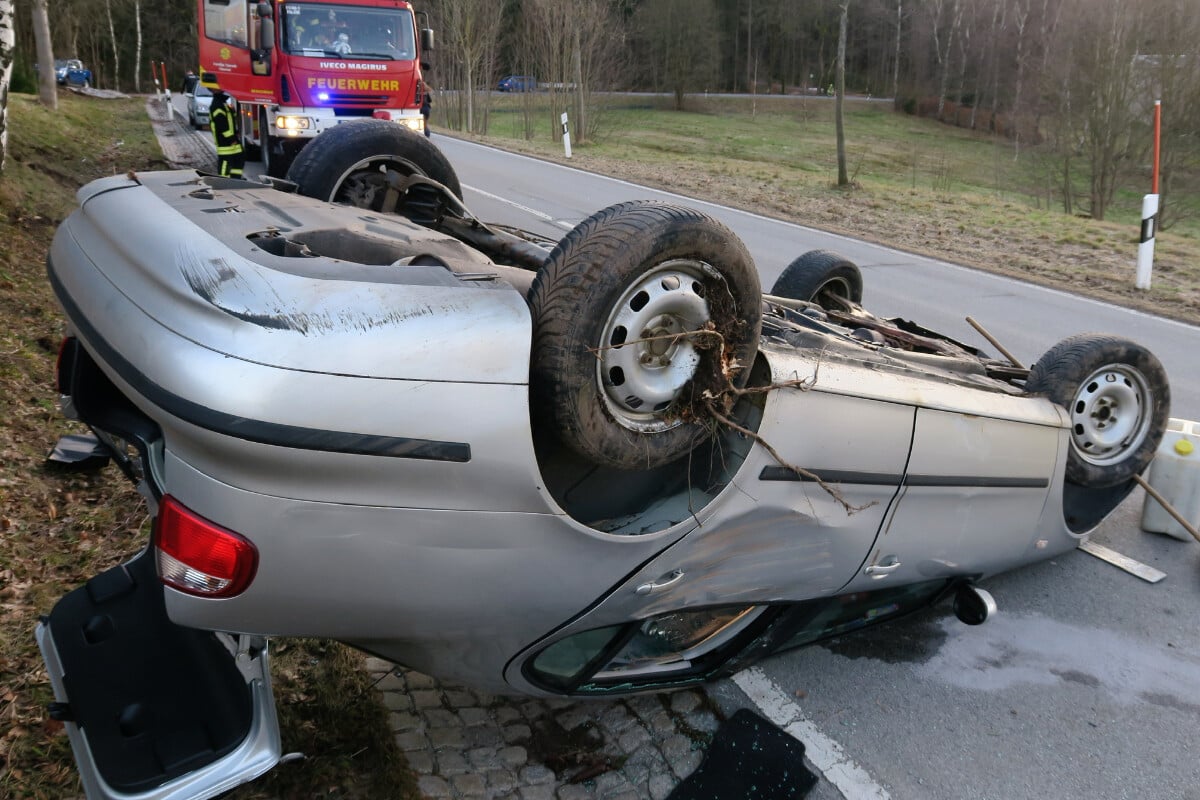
(616, 720)
(676, 748)
(661, 722)
(417, 680)
(460, 698)
(373, 664)
(661, 786)
(426, 698)
(420, 761)
(500, 780)
(630, 794)
(513, 756)
(445, 737)
(532, 709)
(482, 736)
(474, 716)
(536, 774)
(572, 718)
(516, 733)
(440, 718)
(397, 701)
(433, 786)
(611, 783)
(644, 705)
(391, 682)
(485, 699)
(704, 721)
(633, 738)
(412, 740)
(683, 702)
(543, 791)
(507, 714)
(468, 786)
(451, 762)
(405, 721)
(575, 791)
(483, 758)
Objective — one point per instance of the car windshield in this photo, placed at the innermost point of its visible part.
(201, 90)
(320, 29)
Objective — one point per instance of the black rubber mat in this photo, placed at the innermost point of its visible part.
(749, 758)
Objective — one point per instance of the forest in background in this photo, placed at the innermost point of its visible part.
(1072, 81)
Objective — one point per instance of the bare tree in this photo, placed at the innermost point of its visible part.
(839, 102)
(137, 58)
(8, 42)
(680, 40)
(47, 83)
(471, 29)
(116, 50)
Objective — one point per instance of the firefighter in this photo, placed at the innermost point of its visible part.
(223, 121)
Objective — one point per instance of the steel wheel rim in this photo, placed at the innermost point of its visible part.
(643, 364)
(365, 184)
(1110, 416)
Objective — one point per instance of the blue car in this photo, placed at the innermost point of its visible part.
(517, 83)
(72, 72)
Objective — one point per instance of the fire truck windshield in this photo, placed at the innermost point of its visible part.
(321, 29)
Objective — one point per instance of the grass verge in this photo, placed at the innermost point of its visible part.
(59, 529)
(917, 185)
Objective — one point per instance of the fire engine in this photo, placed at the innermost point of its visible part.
(296, 67)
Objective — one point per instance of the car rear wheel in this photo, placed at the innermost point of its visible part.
(351, 163)
(643, 313)
(1117, 395)
(822, 277)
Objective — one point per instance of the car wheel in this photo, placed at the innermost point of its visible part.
(822, 277)
(350, 163)
(86, 84)
(1117, 395)
(611, 370)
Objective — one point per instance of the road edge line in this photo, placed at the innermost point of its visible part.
(825, 754)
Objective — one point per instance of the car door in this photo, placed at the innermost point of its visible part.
(973, 492)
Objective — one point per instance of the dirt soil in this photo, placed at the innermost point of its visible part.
(1101, 267)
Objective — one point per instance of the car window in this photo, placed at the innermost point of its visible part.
(202, 91)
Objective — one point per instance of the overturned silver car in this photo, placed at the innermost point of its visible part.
(602, 465)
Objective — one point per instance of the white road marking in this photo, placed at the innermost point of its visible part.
(695, 200)
(532, 211)
(825, 754)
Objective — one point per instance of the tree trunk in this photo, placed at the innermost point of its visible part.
(47, 84)
(896, 66)
(8, 43)
(112, 34)
(843, 174)
(137, 59)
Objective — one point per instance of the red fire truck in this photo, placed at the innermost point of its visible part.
(298, 67)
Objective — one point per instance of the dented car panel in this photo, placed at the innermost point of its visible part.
(347, 394)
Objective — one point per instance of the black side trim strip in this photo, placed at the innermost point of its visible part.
(977, 480)
(779, 473)
(253, 430)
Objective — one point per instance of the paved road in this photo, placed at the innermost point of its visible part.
(1086, 684)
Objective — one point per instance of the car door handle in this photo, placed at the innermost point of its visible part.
(670, 579)
(882, 569)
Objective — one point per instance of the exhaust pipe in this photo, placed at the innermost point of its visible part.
(973, 605)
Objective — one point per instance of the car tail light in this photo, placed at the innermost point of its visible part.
(199, 557)
(65, 367)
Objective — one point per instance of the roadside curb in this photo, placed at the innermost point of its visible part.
(183, 147)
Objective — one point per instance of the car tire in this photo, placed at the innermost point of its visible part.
(822, 277)
(1117, 395)
(86, 84)
(629, 270)
(348, 163)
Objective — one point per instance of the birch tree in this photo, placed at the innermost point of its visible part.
(8, 43)
(47, 82)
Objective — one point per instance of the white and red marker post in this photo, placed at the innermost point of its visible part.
(1145, 259)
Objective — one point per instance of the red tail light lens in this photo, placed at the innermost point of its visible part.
(199, 557)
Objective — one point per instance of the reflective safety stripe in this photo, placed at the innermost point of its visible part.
(229, 150)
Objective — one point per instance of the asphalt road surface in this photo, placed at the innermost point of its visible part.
(1087, 682)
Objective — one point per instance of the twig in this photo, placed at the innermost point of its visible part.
(996, 344)
(801, 471)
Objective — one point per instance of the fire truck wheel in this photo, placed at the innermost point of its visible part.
(350, 163)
